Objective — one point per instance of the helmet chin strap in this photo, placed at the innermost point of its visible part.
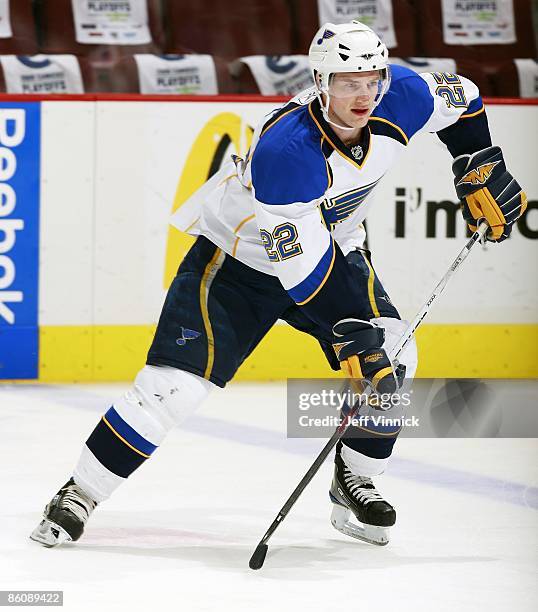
(325, 111)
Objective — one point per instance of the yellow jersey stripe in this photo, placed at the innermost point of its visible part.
(245, 220)
(236, 243)
(473, 114)
(192, 224)
(278, 119)
(225, 180)
(329, 175)
(397, 128)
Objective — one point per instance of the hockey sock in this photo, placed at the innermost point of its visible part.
(132, 429)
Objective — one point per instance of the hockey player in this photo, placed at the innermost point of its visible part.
(280, 236)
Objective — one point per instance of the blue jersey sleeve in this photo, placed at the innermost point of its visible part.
(288, 165)
(408, 104)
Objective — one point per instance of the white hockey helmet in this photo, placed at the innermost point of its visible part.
(347, 47)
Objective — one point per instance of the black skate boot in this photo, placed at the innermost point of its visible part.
(357, 494)
(64, 516)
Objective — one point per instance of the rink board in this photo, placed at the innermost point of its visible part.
(112, 172)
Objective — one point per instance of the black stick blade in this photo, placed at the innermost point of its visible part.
(257, 559)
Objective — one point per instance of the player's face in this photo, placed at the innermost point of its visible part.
(352, 97)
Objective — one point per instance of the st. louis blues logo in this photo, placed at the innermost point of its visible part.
(326, 34)
(187, 334)
(334, 210)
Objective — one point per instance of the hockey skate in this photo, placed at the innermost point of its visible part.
(64, 516)
(351, 493)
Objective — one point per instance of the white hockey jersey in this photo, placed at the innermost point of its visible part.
(300, 189)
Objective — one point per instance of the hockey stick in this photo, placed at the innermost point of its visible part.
(258, 557)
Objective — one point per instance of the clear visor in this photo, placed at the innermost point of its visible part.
(355, 85)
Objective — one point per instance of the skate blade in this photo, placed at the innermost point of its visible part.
(49, 534)
(367, 533)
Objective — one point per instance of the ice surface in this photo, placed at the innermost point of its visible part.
(179, 533)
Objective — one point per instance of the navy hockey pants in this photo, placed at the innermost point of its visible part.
(218, 309)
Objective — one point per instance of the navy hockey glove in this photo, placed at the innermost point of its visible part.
(488, 191)
(358, 348)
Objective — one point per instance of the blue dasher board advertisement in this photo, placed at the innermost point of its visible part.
(20, 136)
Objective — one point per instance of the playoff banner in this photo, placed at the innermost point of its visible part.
(100, 181)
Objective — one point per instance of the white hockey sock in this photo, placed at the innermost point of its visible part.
(362, 465)
(92, 476)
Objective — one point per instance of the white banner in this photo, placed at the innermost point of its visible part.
(487, 22)
(42, 74)
(111, 22)
(527, 72)
(280, 74)
(5, 22)
(177, 74)
(377, 14)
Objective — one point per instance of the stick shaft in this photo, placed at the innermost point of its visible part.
(338, 433)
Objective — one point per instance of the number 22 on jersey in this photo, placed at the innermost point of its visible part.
(450, 88)
(281, 243)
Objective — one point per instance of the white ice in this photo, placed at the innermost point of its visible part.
(179, 533)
